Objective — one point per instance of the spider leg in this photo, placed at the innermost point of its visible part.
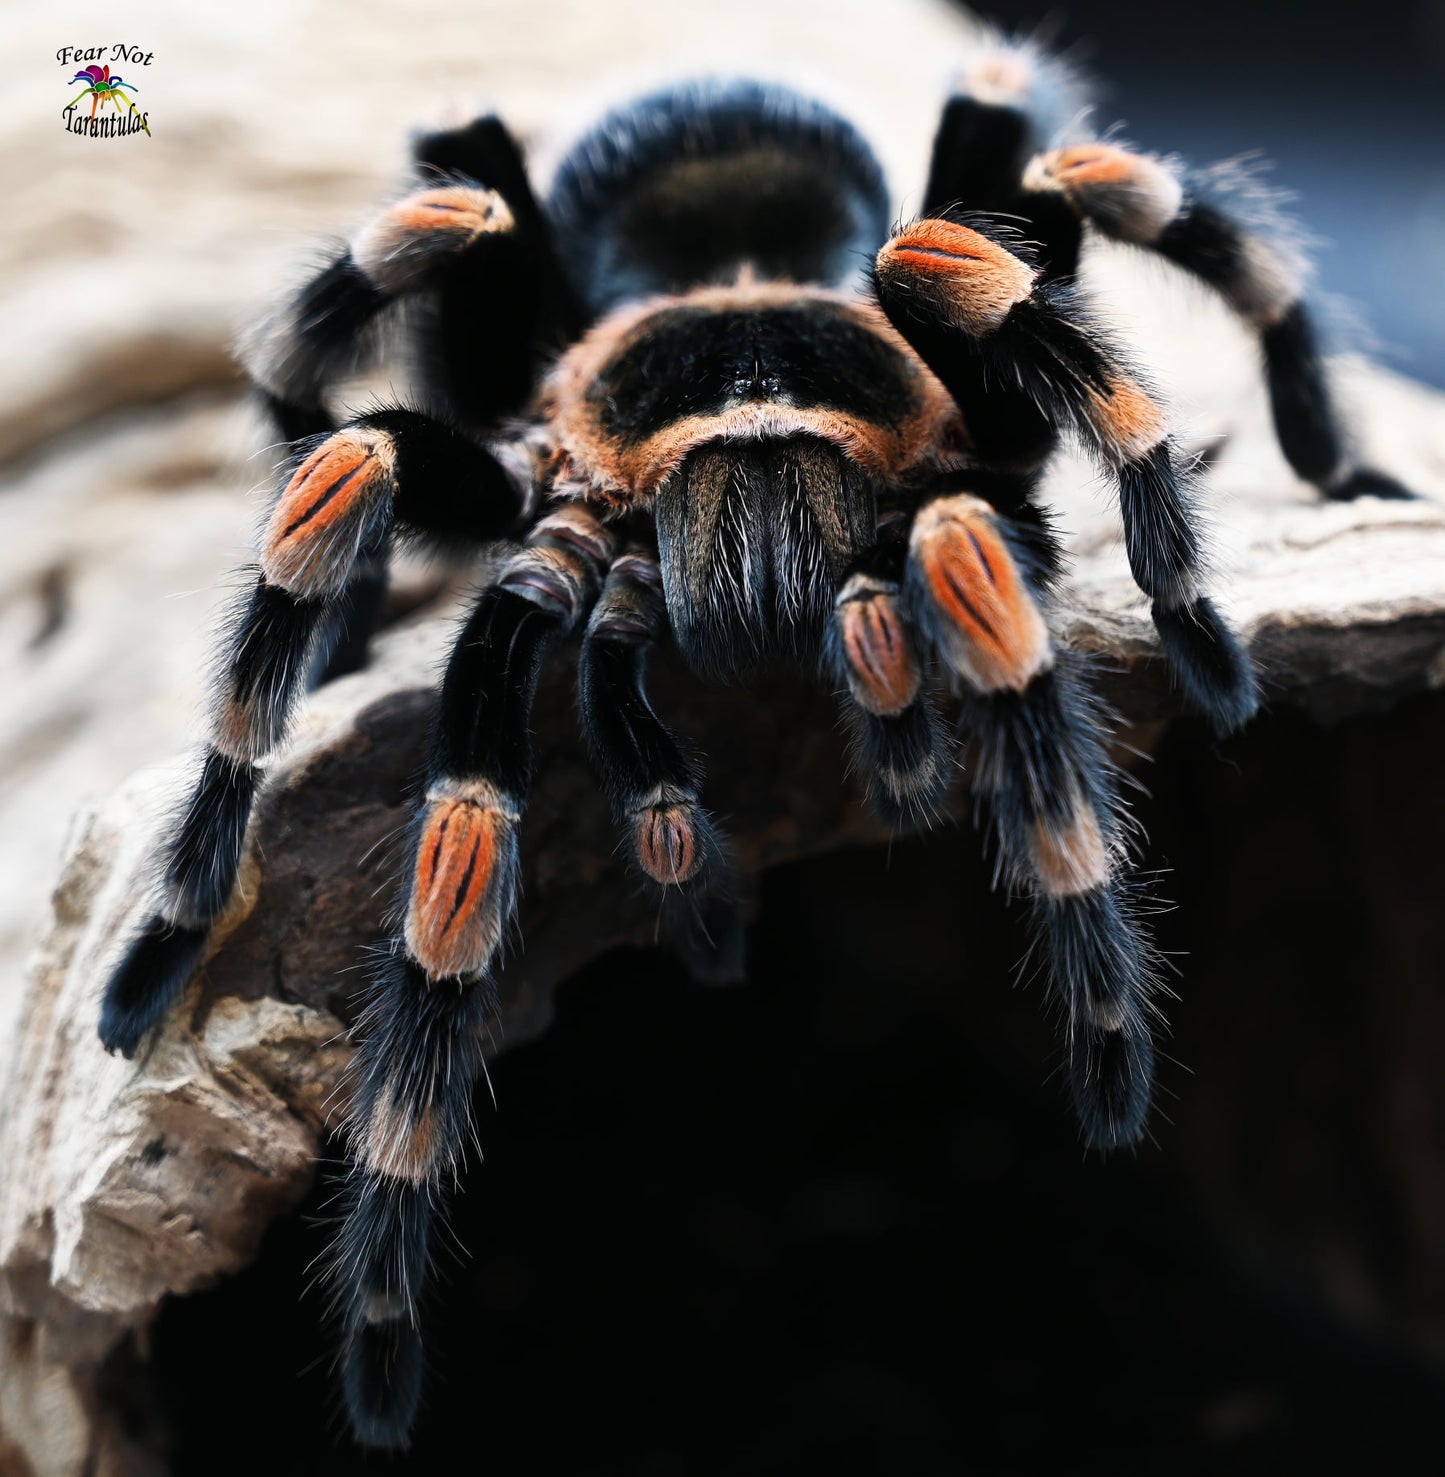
(996, 333)
(511, 287)
(317, 337)
(1187, 217)
(1009, 100)
(420, 1033)
(394, 470)
(654, 784)
(472, 245)
(975, 585)
(471, 254)
(900, 747)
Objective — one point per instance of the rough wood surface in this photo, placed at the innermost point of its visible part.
(121, 1183)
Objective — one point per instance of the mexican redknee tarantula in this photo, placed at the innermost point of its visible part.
(672, 393)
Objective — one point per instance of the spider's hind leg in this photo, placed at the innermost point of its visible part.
(1197, 220)
(420, 1032)
(654, 783)
(976, 586)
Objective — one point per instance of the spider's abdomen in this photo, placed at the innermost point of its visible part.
(684, 186)
(753, 538)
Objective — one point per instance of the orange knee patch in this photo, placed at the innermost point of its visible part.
(399, 247)
(989, 628)
(456, 208)
(882, 665)
(969, 280)
(1126, 420)
(1072, 857)
(665, 840)
(317, 526)
(453, 921)
(1131, 196)
(397, 1143)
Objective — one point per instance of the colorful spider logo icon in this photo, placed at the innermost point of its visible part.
(103, 88)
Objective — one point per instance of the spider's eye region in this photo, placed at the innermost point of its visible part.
(767, 386)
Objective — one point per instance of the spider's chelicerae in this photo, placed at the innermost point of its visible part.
(670, 387)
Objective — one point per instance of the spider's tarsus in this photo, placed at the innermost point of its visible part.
(1210, 662)
(1110, 1074)
(1364, 483)
(156, 968)
(380, 1260)
(382, 1369)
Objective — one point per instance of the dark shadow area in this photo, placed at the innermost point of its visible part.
(838, 1220)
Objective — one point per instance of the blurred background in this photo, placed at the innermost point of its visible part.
(863, 1234)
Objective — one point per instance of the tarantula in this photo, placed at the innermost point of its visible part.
(692, 417)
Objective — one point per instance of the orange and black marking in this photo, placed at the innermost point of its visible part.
(1126, 421)
(405, 242)
(880, 661)
(983, 617)
(325, 511)
(1071, 855)
(972, 282)
(397, 1140)
(562, 563)
(666, 842)
(1132, 197)
(462, 881)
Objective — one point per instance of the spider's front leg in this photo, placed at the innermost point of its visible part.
(392, 472)
(654, 783)
(420, 1033)
(1017, 350)
(1189, 218)
(973, 592)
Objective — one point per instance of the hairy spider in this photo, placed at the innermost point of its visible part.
(670, 389)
